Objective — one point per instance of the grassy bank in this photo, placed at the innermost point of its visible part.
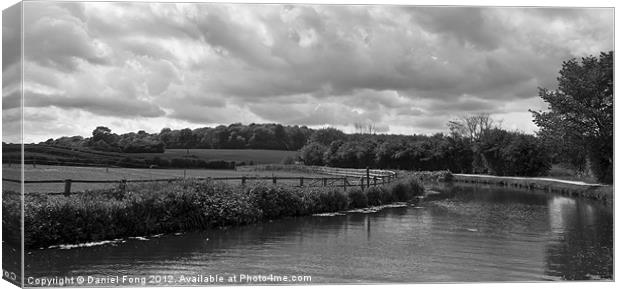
(575, 189)
(154, 208)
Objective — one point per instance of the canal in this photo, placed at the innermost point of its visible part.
(460, 233)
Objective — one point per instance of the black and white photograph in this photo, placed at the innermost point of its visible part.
(167, 144)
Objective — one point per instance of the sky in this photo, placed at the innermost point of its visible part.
(405, 69)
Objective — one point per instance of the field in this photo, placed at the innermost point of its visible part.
(172, 158)
(247, 156)
(44, 172)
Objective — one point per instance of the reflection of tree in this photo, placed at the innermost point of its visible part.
(583, 247)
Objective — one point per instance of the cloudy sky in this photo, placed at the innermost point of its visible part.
(132, 66)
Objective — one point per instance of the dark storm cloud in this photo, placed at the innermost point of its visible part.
(300, 64)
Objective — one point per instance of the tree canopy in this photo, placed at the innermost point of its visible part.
(579, 121)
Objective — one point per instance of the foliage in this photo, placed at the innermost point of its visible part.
(154, 208)
(437, 152)
(326, 136)
(312, 154)
(357, 198)
(374, 196)
(580, 114)
(331, 200)
(234, 136)
(514, 154)
(275, 202)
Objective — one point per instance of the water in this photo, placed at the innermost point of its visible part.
(465, 233)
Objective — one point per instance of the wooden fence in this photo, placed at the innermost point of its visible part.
(342, 178)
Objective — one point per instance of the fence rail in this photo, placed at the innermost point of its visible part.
(344, 178)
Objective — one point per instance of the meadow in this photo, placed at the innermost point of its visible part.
(235, 155)
(45, 172)
(171, 158)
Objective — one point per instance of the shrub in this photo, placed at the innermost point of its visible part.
(404, 190)
(331, 200)
(374, 196)
(309, 198)
(275, 202)
(417, 189)
(357, 198)
(153, 208)
(312, 154)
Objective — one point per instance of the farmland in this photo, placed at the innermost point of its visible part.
(173, 158)
(246, 156)
(45, 172)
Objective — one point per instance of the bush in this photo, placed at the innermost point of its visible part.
(417, 189)
(275, 202)
(514, 154)
(357, 198)
(374, 196)
(331, 200)
(401, 191)
(154, 208)
(312, 154)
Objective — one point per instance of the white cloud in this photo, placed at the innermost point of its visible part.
(196, 64)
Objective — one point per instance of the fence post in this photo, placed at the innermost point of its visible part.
(67, 187)
(123, 186)
(301, 181)
(274, 179)
(243, 180)
(367, 177)
(374, 180)
(184, 173)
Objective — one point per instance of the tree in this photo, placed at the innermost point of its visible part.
(100, 133)
(474, 128)
(312, 154)
(326, 136)
(581, 110)
(186, 137)
(513, 154)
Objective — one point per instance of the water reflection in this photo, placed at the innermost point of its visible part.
(465, 233)
(581, 243)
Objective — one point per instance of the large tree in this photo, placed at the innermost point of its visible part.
(580, 112)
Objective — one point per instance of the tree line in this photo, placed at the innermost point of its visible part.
(464, 150)
(234, 136)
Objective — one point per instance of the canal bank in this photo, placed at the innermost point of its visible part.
(568, 188)
(464, 233)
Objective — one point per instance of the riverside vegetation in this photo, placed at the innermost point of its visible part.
(183, 205)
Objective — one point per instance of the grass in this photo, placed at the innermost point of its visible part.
(203, 158)
(562, 173)
(245, 156)
(184, 205)
(44, 172)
